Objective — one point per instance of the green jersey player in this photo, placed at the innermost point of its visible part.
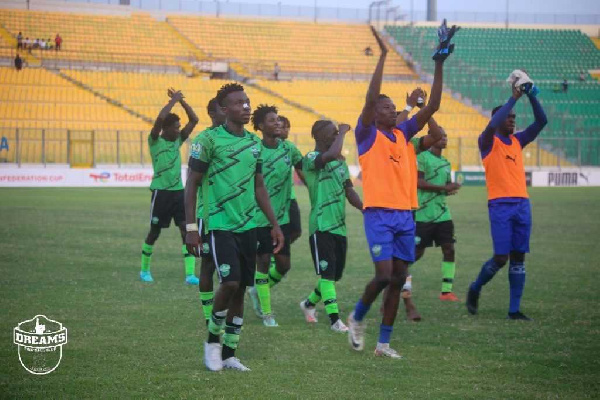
(230, 157)
(329, 185)
(165, 141)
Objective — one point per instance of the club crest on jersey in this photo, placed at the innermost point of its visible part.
(311, 155)
(323, 265)
(255, 151)
(287, 160)
(195, 150)
(225, 269)
(376, 250)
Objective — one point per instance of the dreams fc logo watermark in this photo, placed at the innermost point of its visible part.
(40, 341)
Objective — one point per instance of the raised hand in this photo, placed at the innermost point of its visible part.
(445, 34)
(380, 41)
(413, 99)
(343, 128)
(516, 91)
(175, 94)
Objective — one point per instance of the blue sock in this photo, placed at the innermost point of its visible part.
(516, 279)
(488, 270)
(385, 331)
(360, 310)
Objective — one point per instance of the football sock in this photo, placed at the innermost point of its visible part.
(329, 299)
(360, 310)
(385, 331)
(231, 337)
(206, 298)
(146, 256)
(274, 276)
(314, 297)
(261, 283)
(488, 270)
(189, 261)
(516, 279)
(408, 284)
(215, 325)
(448, 271)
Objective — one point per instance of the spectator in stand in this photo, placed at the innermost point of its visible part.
(368, 51)
(18, 62)
(276, 71)
(42, 44)
(36, 44)
(565, 85)
(28, 44)
(20, 41)
(49, 44)
(57, 42)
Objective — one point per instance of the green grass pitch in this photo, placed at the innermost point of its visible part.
(74, 255)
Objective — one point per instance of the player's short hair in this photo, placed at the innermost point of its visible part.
(169, 120)
(495, 110)
(259, 115)
(318, 125)
(212, 105)
(226, 89)
(383, 96)
(285, 121)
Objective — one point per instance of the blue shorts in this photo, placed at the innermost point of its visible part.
(390, 234)
(510, 224)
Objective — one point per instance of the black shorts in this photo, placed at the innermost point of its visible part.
(265, 242)
(205, 239)
(295, 223)
(234, 255)
(329, 254)
(167, 205)
(438, 232)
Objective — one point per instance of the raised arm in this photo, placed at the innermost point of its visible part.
(532, 131)
(157, 128)
(433, 105)
(486, 139)
(192, 121)
(368, 112)
(434, 135)
(264, 203)
(335, 150)
(412, 101)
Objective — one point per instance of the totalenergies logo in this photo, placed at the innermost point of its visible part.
(102, 178)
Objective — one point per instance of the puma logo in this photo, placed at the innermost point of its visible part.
(394, 160)
(513, 159)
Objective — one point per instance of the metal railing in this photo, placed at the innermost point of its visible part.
(124, 148)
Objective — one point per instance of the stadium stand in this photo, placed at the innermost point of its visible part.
(550, 56)
(300, 49)
(138, 39)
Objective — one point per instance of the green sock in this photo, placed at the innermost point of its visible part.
(261, 282)
(146, 256)
(315, 297)
(274, 276)
(329, 299)
(448, 271)
(206, 298)
(217, 320)
(231, 337)
(189, 261)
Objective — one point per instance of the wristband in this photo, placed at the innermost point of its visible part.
(408, 108)
(191, 227)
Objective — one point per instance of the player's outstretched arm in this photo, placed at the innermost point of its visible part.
(422, 184)
(192, 120)
(157, 128)
(264, 203)
(353, 197)
(486, 139)
(368, 112)
(433, 105)
(532, 131)
(335, 150)
(192, 237)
